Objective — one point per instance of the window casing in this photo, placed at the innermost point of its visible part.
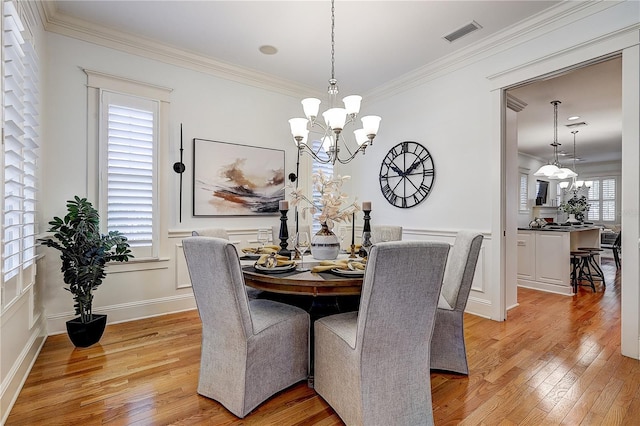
(129, 120)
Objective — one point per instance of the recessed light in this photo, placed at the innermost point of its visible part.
(575, 117)
(268, 49)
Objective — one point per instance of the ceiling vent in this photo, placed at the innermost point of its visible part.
(574, 125)
(462, 31)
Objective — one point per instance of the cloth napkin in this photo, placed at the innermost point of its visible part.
(272, 260)
(327, 265)
(261, 250)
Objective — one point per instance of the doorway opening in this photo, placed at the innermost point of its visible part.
(590, 96)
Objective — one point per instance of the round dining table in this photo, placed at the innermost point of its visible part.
(305, 283)
(319, 293)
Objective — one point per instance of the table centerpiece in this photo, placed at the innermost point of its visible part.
(325, 244)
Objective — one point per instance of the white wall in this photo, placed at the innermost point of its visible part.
(453, 113)
(208, 107)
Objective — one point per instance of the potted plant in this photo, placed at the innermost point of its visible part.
(85, 253)
(575, 207)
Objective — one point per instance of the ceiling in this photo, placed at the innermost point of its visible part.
(376, 42)
(594, 93)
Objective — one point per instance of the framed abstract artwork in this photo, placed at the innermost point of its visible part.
(236, 180)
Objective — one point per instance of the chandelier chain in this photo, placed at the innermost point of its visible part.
(335, 120)
(333, 41)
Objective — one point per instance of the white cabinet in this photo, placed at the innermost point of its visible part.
(543, 261)
(544, 257)
(553, 264)
(526, 255)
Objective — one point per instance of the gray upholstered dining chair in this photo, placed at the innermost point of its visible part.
(253, 293)
(211, 232)
(372, 366)
(251, 349)
(393, 233)
(448, 350)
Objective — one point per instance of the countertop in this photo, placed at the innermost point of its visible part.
(561, 228)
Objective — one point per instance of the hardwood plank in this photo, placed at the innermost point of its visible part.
(556, 360)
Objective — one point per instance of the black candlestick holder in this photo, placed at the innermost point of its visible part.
(284, 235)
(352, 254)
(366, 234)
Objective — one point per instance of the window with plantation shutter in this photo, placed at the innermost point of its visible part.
(524, 192)
(20, 124)
(128, 184)
(602, 200)
(327, 168)
(130, 120)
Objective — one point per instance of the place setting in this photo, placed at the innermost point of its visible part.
(255, 253)
(274, 263)
(342, 267)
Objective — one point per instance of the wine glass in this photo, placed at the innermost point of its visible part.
(302, 244)
(342, 233)
(263, 238)
(385, 235)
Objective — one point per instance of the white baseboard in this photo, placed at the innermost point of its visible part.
(15, 378)
(129, 311)
(479, 307)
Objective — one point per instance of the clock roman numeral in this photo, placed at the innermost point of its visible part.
(424, 190)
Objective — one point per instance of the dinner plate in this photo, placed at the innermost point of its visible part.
(250, 256)
(348, 272)
(275, 269)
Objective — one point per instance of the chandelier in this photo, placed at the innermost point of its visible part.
(555, 169)
(576, 185)
(335, 120)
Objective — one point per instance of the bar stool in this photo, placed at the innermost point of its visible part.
(580, 269)
(595, 251)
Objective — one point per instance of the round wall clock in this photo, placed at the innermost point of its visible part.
(406, 174)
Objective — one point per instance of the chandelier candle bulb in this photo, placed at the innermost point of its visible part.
(352, 104)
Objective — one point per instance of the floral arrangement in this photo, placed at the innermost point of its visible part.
(576, 206)
(329, 204)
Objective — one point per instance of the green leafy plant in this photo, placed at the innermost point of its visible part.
(85, 252)
(576, 206)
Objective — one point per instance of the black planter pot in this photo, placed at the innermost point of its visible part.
(83, 335)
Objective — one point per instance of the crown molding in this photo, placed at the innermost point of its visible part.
(514, 103)
(550, 19)
(58, 23)
(555, 17)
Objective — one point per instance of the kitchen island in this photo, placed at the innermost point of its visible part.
(544, 259)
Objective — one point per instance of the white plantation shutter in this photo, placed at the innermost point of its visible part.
(327, 169)
(524, 195)
(129, 189)
(602, 200)
(20, 123)
(608, 199)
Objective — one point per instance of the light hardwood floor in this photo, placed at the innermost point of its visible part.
(556, 360)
